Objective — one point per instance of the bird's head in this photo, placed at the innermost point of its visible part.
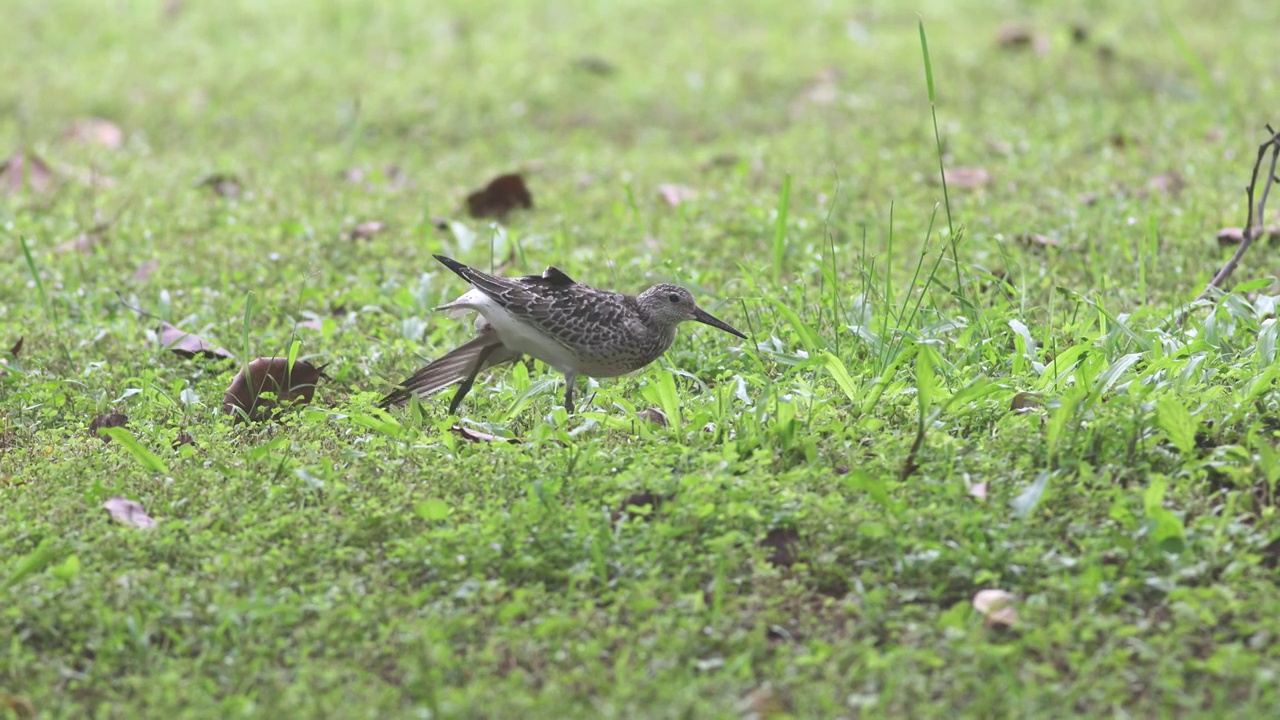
(672, 304)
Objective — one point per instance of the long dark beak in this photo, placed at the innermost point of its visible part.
(707, 318)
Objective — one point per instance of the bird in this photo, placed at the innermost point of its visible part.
(575, 328)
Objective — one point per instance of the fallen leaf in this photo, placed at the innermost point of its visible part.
(761, 704)
(996, 607)
(16, 349)
(128, 512)
(782, 544)
(184, 438)
(273, 375)
(477, 436)
(502, 195)
(366, 230)
(19, 705)
(95, 131)
(1016, 36)
(978, 491)
(107, 420)
(1036, 241)
(1026, 401)
(635, 503)
(675, 195)
(1079, 34)
(1235, 236)
(822, 90)
(594, 65)
(1169, 183)
(85, 242)
(183, 343)
(967, 178)
(22, 171)
(145, 269)
(653, 415)
(222, 184)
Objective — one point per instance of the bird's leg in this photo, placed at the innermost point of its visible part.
(471, 379)
(569, 380)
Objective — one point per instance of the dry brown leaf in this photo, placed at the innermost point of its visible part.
(223, 184)
(653, 415)
(95, 131)
(967, 178)
(978, 491)
(1016, 36)
(996, 607)
(270, 375)
(184, 438)
(822, 90)
(145, 269)
(1026, 401)
(366, 230)
(594, 65)
(502, 195)
(675, 195)
(23, 171)
(107, 420)
(635, 503)
(183, 343)
(467, 433)
(19, 705)
(16, 349)
(1036, 241)
(782, 543)
(1235, 236)
(128, 512)
(85, 242)
(1169, 183)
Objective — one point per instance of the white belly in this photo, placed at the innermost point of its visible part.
(516, 335)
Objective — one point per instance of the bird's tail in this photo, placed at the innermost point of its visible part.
(451, 368)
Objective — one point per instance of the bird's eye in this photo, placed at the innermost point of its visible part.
(674, 298)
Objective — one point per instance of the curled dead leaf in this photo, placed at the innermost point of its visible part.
(183, 438)
(23, 171)
(1016, 36)
(675, 195)
(1168, 183)
(653, 415)
(366, 230)
(290, 386)
(1025, 402)
(16, 349)
(187, 345)
(107, 420)
(967, 178)
(222, 184)
(1235, 236)
(467, 433)
(783, 544)
(641, 504)
(128, 512)
(95, 131)
(502, 195)
(996, 607)
(1036, 241)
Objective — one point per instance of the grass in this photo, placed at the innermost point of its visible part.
(812, 541)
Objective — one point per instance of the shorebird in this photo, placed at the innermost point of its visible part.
(574, 328)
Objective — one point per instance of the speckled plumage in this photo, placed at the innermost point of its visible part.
(578, 329)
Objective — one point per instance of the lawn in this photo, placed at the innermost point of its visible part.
(997, 385)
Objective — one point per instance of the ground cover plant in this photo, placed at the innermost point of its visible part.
(982, 454)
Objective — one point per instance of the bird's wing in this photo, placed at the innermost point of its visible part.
(451, 368)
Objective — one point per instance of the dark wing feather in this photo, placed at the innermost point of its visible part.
(449, 369)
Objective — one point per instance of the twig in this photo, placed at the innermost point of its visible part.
(1253, 224)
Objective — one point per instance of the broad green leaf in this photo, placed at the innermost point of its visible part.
(33, 562)
(145, 457)
(1178, 423)
(433, 509)
(841, 375)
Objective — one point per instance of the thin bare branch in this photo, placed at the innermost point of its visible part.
(1253, 226)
